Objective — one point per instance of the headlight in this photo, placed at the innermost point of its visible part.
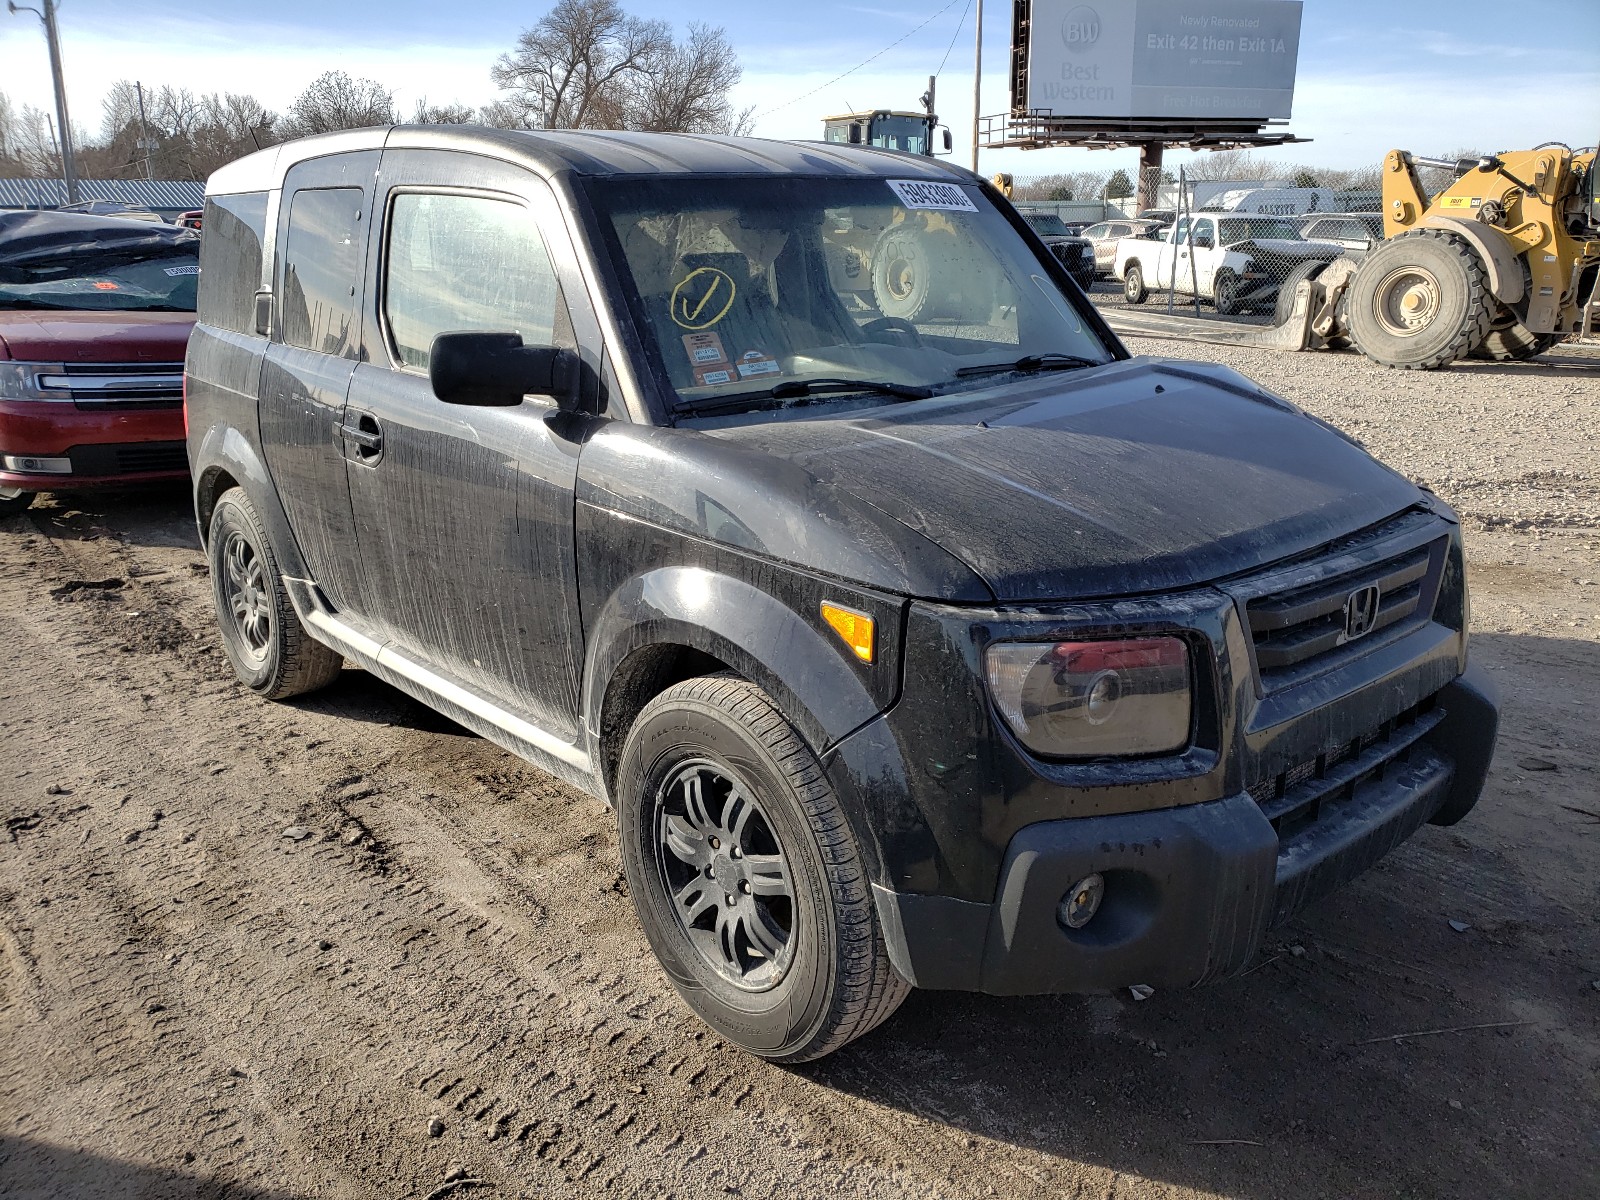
(20, 381)
(1088, 699)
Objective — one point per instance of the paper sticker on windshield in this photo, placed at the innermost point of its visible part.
(105, 285)
(702, 298)
(191, 269)
(712, 376)
(757, 362)
(947, 197)
(704, 349)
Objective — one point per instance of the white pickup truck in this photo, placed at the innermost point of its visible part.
(1236, 262)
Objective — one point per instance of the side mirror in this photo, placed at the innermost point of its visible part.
(855, 134)
(1203, 242)
(490, 370)
(949, 143)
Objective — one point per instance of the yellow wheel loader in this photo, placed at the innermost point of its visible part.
(1497, 265)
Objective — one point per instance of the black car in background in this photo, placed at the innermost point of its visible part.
(791, 500)
(1065, 242)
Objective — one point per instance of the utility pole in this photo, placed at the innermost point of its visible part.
(145, 144)
(977, 81)
(69, 171)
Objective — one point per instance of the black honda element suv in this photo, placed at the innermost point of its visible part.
(793, 499)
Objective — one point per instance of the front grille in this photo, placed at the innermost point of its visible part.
(122, 385)
(1344, 610)
(1294, 800)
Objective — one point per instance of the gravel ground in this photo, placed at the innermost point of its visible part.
(340, 948)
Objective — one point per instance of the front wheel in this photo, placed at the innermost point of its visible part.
(1133, 289)
(1419, 301)
(746, 879)
(14, 500)
(1225, 293)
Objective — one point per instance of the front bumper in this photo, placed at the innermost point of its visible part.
(104, 446)
(1192, 890)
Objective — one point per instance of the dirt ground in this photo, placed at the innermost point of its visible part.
(339, 948)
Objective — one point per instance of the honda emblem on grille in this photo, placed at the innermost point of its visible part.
(1360, 612)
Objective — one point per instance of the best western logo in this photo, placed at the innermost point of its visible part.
(1080, 29)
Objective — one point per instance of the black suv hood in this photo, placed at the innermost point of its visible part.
(1139, 476)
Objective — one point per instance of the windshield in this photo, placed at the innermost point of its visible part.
(158, 279)
(1048, 224)
(745, 283)
(1239, 229)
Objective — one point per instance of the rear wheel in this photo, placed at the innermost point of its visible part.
(1133, 289)
(14, 500)
(744, 874)
(1419, 301)
(270, 650)
(1509, 340)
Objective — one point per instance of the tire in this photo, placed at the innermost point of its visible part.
(1133, 289)
(1419, 301)
(1509, 340)
(14, 501)
(790, 967)
(1225, 293)
(270, 650)
(920, 275)
(1284, 305)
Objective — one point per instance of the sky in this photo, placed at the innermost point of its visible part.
(1431, 76)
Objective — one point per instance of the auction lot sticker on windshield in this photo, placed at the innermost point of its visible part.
(915, 193)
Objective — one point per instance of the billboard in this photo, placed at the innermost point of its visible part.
(1200, 60)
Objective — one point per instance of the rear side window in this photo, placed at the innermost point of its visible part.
(457, 263)
(230, 260)
(320, 263)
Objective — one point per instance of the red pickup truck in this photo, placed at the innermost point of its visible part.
(95, 314)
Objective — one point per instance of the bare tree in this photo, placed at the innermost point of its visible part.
(179, 136)
(1070, 185)
(566, 71)
(443, 114)
(31, 149)
(1235, 164)
(587, 64)
(334, 100)
(683, 87)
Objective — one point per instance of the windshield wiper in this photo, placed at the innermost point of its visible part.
(1050, 361)
(796, 389)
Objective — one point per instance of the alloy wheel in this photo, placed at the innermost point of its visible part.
(249, 598)
(725, 875)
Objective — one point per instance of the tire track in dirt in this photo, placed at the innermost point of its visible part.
(550, 1057)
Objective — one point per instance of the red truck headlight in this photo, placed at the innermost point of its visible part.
(21, 381)
(1125, 696)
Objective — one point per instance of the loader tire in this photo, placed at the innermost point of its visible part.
(1509, 340)
(1420, 301)
(1284, 305)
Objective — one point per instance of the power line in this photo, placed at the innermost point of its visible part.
(859, 65)
(960, 25)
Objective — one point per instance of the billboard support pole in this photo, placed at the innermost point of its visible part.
(977, 79)
(1150, 173)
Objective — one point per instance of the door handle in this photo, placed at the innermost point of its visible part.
(364, 435)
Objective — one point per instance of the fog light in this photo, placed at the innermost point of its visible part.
(1078, 906)
(28, 465)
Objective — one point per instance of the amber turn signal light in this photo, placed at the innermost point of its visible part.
(855, 628)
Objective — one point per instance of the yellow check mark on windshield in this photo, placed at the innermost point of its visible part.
(692, 308)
